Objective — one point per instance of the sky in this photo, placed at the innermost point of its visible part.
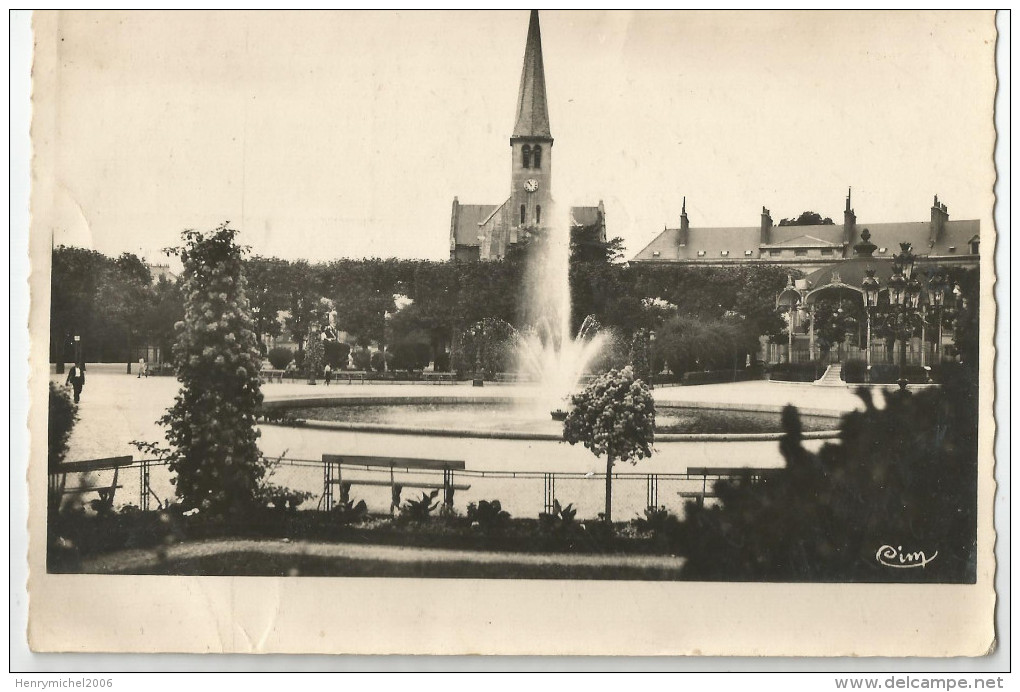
(348, 134)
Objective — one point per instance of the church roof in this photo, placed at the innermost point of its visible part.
(585, 216)
(467, 220)
(532, 106)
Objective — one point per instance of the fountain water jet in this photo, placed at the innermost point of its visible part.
(548, 352)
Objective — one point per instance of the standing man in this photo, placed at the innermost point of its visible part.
(76, 378)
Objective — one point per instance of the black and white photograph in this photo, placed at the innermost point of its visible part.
(427, 316)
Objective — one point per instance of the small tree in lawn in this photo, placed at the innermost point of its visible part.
(211, 426)
(615, 416)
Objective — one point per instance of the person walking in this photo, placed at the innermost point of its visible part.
(76, 378)
(328, 373)
(141, 368)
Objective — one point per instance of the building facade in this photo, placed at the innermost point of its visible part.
(487, 231)
(811, 247)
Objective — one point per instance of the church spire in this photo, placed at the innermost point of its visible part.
(532, 107)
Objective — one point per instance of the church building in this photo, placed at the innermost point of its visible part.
(487, 231)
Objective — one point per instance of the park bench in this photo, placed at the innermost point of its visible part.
(715, 473)
(336, 462)
(439, 377)
(269, 375)
(58, 477)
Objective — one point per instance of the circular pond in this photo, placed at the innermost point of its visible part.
(522, 418)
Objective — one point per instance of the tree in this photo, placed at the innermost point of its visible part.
(640, 350)
(807, 218)
(127, 297)
(304, 301)
(269, 283)
(689, 343)
(901, 479)
(615, 416)
(834, 320)
(211, 426)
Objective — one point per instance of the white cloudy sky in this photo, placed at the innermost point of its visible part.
(322, 135)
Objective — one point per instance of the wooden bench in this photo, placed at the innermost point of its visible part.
(440, 377)
(269, 375)
(338, 461)
(741, 473)
(58, 477)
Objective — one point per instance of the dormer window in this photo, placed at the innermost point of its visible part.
(882, 250)
(974, 247)
(701, 253)
(526, 151)
(655, 253)
(724, 253)
(748, 253)
(952, 248)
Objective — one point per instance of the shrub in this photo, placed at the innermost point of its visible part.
(640, 348)
(347, 510)
(62, 416)
(336, 354)
(411, 355)
(855, 371)
(362, 358)
(314, 357)
(614, 415)
(714, 376)
(657, 520)
(902, 478)
(797, 372)
(489, 516)
(560, 519)
(377, 361)
(419, 510)
(211, 426)
(279, 357)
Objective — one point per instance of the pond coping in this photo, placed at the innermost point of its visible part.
(392, 429)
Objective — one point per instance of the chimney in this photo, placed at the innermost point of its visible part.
(939, 217)
(766, 226)
(685, 225)
(849, 225)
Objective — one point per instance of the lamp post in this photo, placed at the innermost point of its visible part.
(870, 286)
(904, 291)
(479, 379)
(77, 349)
(937, 293)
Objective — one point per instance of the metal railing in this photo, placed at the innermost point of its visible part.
(522, 493)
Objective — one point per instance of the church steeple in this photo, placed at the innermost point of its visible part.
(532, 106)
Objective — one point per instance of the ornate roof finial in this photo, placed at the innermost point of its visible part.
(865, 248)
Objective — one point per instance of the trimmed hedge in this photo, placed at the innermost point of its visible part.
(714, 376)
(797, 372)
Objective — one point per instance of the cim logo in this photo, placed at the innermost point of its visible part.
(891, 556)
